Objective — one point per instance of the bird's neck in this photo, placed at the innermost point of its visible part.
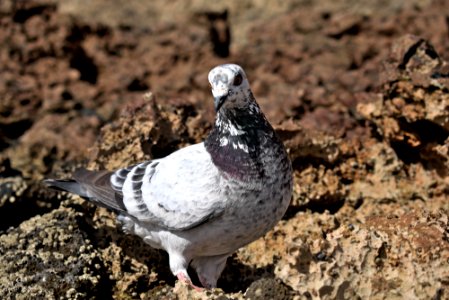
(237, 140)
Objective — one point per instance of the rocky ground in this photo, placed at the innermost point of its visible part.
(357, 90)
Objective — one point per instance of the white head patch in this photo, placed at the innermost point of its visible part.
(228, 80)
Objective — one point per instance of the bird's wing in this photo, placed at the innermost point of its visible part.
(178, 192)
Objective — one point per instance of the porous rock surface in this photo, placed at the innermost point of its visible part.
(51, 257)
(359, 99)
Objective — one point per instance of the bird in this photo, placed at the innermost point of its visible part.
(202, 202)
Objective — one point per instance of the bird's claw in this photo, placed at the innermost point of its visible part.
(182, 277)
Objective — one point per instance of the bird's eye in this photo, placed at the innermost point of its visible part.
(238, 80)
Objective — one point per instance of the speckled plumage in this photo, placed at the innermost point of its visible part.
(203, 202)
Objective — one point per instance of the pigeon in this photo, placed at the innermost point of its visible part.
(202, 202)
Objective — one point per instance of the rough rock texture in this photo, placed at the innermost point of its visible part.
(412, 114)
(52, 257)
(357, 90)
(146, 130)
(389, 257)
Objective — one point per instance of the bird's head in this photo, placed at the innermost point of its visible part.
(229, 86)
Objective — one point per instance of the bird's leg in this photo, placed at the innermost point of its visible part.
(205, 282)
(178, 265)
(184, 278)
(209, 269)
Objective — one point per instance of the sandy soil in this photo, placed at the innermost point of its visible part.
(357, 90)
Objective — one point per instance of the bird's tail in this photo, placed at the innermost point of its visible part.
(68, 185)
(91, 185)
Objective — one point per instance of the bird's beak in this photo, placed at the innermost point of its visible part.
(218, 101)
(220, 94)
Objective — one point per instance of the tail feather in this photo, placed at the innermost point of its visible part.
(92, 185)
(67, 186)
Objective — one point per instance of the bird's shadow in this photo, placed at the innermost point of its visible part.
(236, 277)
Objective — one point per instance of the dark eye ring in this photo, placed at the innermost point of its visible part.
(238, 79)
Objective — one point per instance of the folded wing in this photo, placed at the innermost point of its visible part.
(178, 192)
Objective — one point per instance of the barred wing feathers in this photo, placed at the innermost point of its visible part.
(178, 192)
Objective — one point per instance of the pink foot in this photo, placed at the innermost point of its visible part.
(182, 277)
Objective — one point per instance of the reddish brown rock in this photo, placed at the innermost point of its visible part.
(361, 108)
